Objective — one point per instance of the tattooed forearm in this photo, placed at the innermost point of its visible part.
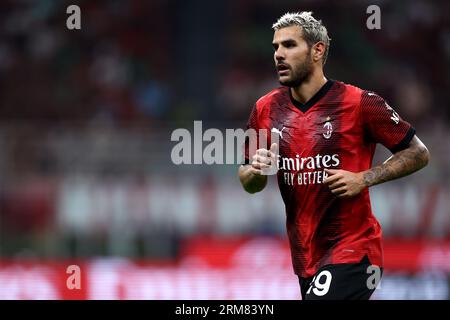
(402, 163)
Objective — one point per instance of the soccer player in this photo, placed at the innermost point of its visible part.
(327, 133)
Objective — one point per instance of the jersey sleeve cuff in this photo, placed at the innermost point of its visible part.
(405, 141)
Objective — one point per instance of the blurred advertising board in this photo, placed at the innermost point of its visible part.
(214, 268)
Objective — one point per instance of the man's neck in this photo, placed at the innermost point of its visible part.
(308, 88)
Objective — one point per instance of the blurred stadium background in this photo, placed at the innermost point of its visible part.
(85, 123)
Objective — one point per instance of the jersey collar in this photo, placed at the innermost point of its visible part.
(303, 107)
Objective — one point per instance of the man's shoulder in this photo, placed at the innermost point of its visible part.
(350, 89)
(358, 92)
(280, 93)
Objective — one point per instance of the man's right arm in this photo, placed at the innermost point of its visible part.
(251, 175)
(251, 180)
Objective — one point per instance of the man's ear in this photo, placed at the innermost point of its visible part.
(318, 50)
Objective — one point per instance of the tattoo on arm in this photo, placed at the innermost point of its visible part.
(402, 163)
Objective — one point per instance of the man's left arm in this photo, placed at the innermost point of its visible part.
(344, 183)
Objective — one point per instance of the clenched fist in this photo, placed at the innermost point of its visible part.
(264, 162)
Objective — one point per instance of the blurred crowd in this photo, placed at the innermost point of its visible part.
(101, 101)
(132, 61)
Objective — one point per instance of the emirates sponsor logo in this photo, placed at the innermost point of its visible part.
(306, 170)
(317, 162)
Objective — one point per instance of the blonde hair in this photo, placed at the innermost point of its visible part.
(313, 29)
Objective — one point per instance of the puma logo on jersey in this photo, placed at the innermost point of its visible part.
(395, 117)
(280, 132)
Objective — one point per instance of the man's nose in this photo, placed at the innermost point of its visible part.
(279, 55)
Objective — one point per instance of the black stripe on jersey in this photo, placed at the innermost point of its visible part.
(405, 141)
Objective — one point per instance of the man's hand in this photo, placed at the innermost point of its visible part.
(253, 176)
(344, 184)
(264, 161)
(348, 184)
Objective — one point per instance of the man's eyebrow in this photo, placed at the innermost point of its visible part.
(285, 41)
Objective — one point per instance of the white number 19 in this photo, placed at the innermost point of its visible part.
(318, 288)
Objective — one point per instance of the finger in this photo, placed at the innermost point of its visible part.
(336, 184)
(332, 178)
(262, 152)
(263, 160)
(259, 165)
(274, 148)
(255, 171)
(256, 165)
(272, 155)
(339, 191)
(344, 195)
(332, 171)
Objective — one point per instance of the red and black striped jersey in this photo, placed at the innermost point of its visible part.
(338, 128)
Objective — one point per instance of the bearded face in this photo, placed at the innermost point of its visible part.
(292, 56)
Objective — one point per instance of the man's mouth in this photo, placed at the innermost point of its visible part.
(282, 69)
